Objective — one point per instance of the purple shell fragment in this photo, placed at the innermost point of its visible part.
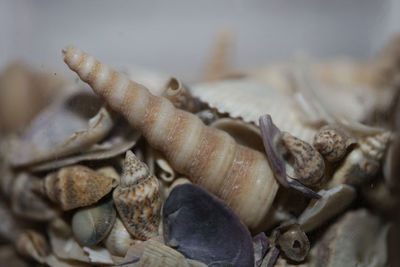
(271, 136)
(203, 228)
(261, 246)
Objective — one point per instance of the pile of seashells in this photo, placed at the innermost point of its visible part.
(290, 165)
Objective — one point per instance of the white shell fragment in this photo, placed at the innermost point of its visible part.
(47, 138)
(249, 99)
(333, 201)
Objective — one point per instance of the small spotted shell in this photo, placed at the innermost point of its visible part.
(138, 199)
(363, 162)
(76, 186)
(332, 142)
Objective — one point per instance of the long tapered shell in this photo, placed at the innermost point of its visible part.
(76, 186)
(209, 157)
(138, 199)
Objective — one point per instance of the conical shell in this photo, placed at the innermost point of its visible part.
(240, 176)
(138, 199)
(76, 186)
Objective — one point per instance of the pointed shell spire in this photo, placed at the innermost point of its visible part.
(138, 199)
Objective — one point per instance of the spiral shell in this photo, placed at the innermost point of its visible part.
(238, 175)
(332, 142)
(76, 186)
(363, 162)
(138, 199)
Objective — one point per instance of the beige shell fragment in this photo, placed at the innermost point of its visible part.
(356, 239)
(158, 255)
(119, 239)
(248, 100)
(76, 186)
(333, 202)
(46, 138)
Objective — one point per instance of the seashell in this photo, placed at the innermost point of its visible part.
(90, 225)
(332, 142)
(249, 99)
(158, 255)
(32, 244)
(76, 186)
(180, 96)
(179, 181)
(380, 196)
(121, 138)
(25, 203)
(363, 162)
(356, 239)
(308, 164)
(119, 240)
(332, 202)
(138, 199)
(203, 228)
(59, 226)
(391, 170)
(261, 246)
(244, 133)
(208, 157)
(47, 139)
(164, 171)
(207, 116)
(292, 241)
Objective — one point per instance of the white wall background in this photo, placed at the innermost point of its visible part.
(175, 36)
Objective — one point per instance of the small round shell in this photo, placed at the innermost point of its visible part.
(119, 239)
(138, 199)
(91, 224)
(332, 142)
(293, 242)
(76, 186)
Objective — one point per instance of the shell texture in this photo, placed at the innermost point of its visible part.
(138, 199)
(248, 100)
(363, 162)
(292, 240)
(333, 142)
(119, 239)
(90, 225)
(76, 186)
(209, 157)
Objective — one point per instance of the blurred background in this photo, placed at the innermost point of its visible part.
(176, 36)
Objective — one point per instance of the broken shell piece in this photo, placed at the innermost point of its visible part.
(275, 149)
(363, 162)
(138, 199)
(119, 240)
(244, 133)
(179, 181)
(76, 186)
(26, 203)
(47, 138)
(188, 207)
(60, 227)
(32, 244)
(121, 138)
(180, 96)
(332, 142)
(91, 225)
(157, 254)
(260, 245)
(162, 168)
(292, 240)
(356, 239)
(332, 202)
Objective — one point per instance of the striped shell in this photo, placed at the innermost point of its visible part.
(138, 199)
(240, 176)
(248, 100)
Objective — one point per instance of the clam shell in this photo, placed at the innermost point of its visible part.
(202, 228)
(333, 202)
(76, 186)
(46, 138)
(248, 100)
(90, 225)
